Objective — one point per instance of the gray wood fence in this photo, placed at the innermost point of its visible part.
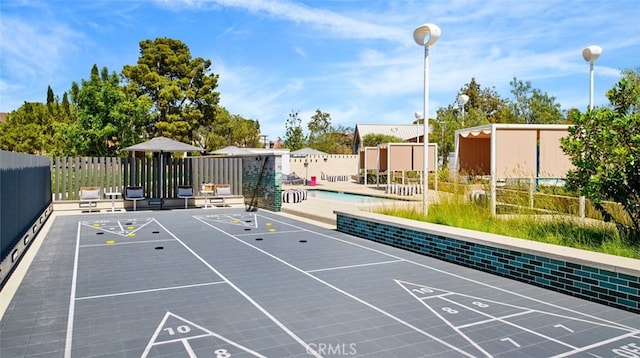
(159, 176)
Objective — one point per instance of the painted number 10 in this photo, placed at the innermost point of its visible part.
(422, 290)
(179, 329)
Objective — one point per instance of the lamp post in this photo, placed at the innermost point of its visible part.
(426, 35)
(418, 116)
(462, 100)
(590, 54)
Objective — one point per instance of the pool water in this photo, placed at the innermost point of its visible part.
(350, 198)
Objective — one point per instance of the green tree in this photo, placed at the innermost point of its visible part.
(108, 117)
(484, 105)
(337, 140)
(37, 128)
(181, 89)
(532, 106)
(324, 137)
(23, 130)
(294, 136)
(229, 130)
(372, 140)
(604, 147)
(319, 125)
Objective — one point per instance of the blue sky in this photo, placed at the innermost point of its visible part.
(355, 60)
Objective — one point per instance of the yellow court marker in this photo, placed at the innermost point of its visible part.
(109, 242)
(132, 234)
(130, 227)
(96, 225)
(268, 224)
(272, 230)
(235, 221)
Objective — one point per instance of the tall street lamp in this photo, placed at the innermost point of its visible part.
(426, 35)
(590, 54)
(462, 100)
(418, 116)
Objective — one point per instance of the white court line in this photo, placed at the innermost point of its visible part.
(127, 243)
(308, 349)
(446, 321)
(72, 297)
(435, 296)
(375, 308)
(185, 343)
(181, 339)
(493, 319)
(503, 321)
(90, 225)
(602, 320)
(598, 344)
(149, 290)
(270, 233)
(352, 266)
(189, 349)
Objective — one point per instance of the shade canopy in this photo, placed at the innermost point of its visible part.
(306, 151)
(232, 150)
(163, 144)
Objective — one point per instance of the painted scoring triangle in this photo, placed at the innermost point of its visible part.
(174, 328)
(420, 291)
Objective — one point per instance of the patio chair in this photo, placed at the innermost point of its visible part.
(292, 179)
(90, 195)
(222, 190)
(185, 192)
(134, 193)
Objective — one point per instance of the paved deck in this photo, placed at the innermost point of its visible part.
(321, 210)
(229, 283)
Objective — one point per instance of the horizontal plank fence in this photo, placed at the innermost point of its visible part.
(159, 176)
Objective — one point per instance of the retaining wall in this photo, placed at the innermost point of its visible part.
(606, 279)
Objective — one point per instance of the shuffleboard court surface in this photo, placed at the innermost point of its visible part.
(229, 283)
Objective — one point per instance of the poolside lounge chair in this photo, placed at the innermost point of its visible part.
(134, 193)
(292, 179)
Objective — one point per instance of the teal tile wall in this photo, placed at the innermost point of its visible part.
(267, 187)
(606, 287)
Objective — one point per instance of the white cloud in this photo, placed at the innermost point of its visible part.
(355, 60)
(299, 51)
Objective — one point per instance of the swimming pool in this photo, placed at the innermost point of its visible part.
(350, 197)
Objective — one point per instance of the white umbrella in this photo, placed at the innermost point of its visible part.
(162, 145)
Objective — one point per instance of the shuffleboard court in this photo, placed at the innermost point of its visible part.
(230, 283)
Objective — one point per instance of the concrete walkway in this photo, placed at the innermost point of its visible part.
(321, 210)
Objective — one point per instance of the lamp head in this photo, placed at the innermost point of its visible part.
(426, 35)
(418, 115)
(463, 99)
(591, 53)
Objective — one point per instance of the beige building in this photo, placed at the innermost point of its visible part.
(512, 151)
(406, 132)
(506, 151)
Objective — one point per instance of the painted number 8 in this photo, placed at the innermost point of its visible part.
(222, 353)
(480, 304)
(449, 310)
